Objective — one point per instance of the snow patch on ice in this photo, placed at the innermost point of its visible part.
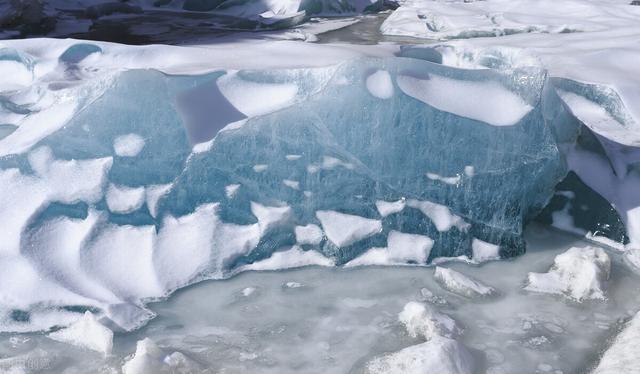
(380, 85)
(441, 215)
(291, 258)
(401, 249)
(128, 145)
(386, 208)
(483, 251)
(345, 229)
(123, 199)
(308, 234)
(488, 102)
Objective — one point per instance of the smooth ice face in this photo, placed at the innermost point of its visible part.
(325, 166)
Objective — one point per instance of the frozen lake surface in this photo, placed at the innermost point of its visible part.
(335, 320)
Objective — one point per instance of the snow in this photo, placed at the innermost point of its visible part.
(270, 217)
(15, 75)
(579, 274)
(231, 190)
(441, 215)
(308, 234)
(448, 180)
(439, 355)
(345, 229)
(461, 284)
(386, 208)
(424, 322)
(291, 258)
(128, 145)
(88, 333)
(622, 356)
(153, 195)
(291, 184)
(123, 199)
(487, 102)
(380, 85)
(401, 249)
(253, 99)
(483, 251)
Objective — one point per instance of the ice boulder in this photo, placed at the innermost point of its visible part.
(423, 321)
(579, 274)
(438, 355)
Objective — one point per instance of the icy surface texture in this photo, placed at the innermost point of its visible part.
(186, 177)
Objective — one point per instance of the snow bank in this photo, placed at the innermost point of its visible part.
(579, 274)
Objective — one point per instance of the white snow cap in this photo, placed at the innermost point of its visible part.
(88, 333)
(423, 321)
(579, 274)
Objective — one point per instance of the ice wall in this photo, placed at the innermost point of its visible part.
(120, 186)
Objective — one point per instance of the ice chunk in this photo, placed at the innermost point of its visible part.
(147, 359)
(579, 274)
(401, 248)
(128, 145)
(438, 355)
(422, 321)
(461, 284)
(489, 102)
(88, 333)
(291, 258)
(291, 184)
(309, 234)
(123, 199)
(345, 229)
(386, 208)
(441, 215)
(483, 251)
(380, 85)
(622, 356)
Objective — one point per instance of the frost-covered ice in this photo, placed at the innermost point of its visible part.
(128, 145)
(401, 249)
(439, 355)
(422, 321)
(88, 333)
(345, 229)
(622, 356)
(461, 284)
(579, 273)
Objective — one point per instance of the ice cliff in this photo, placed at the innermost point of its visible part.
(121, 184)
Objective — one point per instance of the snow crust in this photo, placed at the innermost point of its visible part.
(579, 274)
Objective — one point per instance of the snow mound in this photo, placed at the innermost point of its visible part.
(88, 333)
(424, 322)
(438, 355)
(151, 359)
(461, 284)
(579, 274)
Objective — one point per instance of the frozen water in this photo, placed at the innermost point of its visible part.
(461, 284)
(343, 319)
(87, 332)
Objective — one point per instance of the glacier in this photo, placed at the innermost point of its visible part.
(348, 162)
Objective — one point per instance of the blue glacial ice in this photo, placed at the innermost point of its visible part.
(146, 182)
